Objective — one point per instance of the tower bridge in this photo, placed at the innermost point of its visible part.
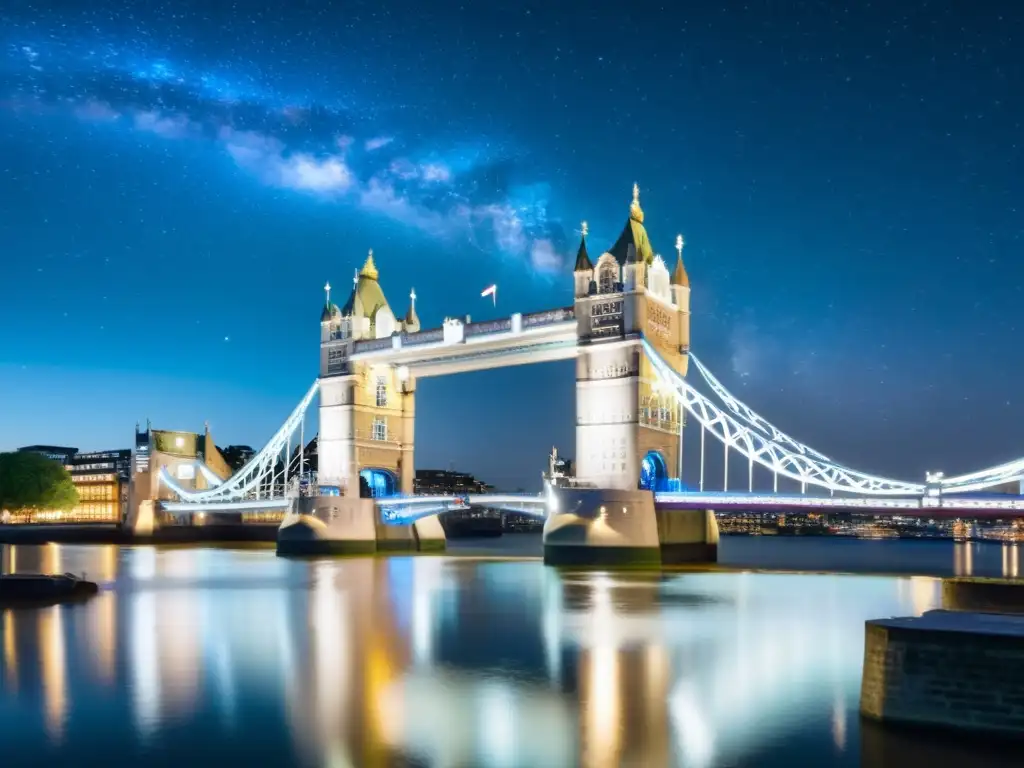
(628, 330)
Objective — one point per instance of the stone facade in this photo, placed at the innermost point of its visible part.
(946, 669)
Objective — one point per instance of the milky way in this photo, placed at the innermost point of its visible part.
(343, 148)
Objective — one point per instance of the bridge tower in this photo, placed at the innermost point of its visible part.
(628, 431)
(367, 412)
(366, 433)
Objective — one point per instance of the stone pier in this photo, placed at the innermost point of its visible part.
(946, 669)
(339, 525)
(605, 527)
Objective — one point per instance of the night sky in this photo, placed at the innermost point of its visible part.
(178, 180)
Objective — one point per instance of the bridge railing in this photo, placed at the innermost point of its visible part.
(548, 317)
(372, 345)
(493, 326)
(431, 336)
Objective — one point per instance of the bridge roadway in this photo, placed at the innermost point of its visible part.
(457, 348)
(403, 509)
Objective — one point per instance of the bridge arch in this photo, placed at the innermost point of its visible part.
(653, 472)
(378, 483)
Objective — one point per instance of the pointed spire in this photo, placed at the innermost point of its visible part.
(583, 262)
(328, 311)
(679, 276)
(412, 320)
(369, 269)
(635, 211)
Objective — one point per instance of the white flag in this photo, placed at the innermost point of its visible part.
(492, 291)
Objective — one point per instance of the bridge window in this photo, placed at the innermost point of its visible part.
(380, 429)
(382, 392)
(607, 277)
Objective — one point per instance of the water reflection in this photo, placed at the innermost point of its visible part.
(1011, 561)
(231, 656)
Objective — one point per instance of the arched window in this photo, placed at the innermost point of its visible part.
(653, 472)
(607, 276)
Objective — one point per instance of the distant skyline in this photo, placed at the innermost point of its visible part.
(179, 183)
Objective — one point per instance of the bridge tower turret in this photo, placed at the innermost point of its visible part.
(583, 272)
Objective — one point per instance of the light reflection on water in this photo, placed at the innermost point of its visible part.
(211, 655)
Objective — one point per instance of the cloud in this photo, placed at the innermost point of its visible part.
(403, 169)
(544, 257)
(435, 172)
(267, 157)
(378, 143)
(382, 197)
(96, 112)
(165, 126)
(315, 174)
(430, 173)
(506, 224)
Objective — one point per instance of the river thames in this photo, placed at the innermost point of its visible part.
(212, 656)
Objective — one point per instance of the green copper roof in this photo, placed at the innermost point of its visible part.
(633, 244)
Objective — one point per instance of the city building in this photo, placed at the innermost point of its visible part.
(54, 452)
(471, 522)
(101, 479)
(444, 482)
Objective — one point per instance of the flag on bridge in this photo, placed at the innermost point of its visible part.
(492, 291)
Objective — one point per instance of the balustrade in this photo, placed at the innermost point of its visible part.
(423, 337)
(548, 317)
(372, 345)
(494, 326)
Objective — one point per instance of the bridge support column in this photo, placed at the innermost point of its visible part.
(605, 527)
(601, 527)
(394, 538)
(688, 536)
(430, 535)
(141, 520)
(329, 525)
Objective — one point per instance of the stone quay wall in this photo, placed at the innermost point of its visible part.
(946, 669)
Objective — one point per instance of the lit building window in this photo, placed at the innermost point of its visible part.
(382, 392)
(380, 429)
(607, 277)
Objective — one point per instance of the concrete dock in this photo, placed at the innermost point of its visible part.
(946, 669)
